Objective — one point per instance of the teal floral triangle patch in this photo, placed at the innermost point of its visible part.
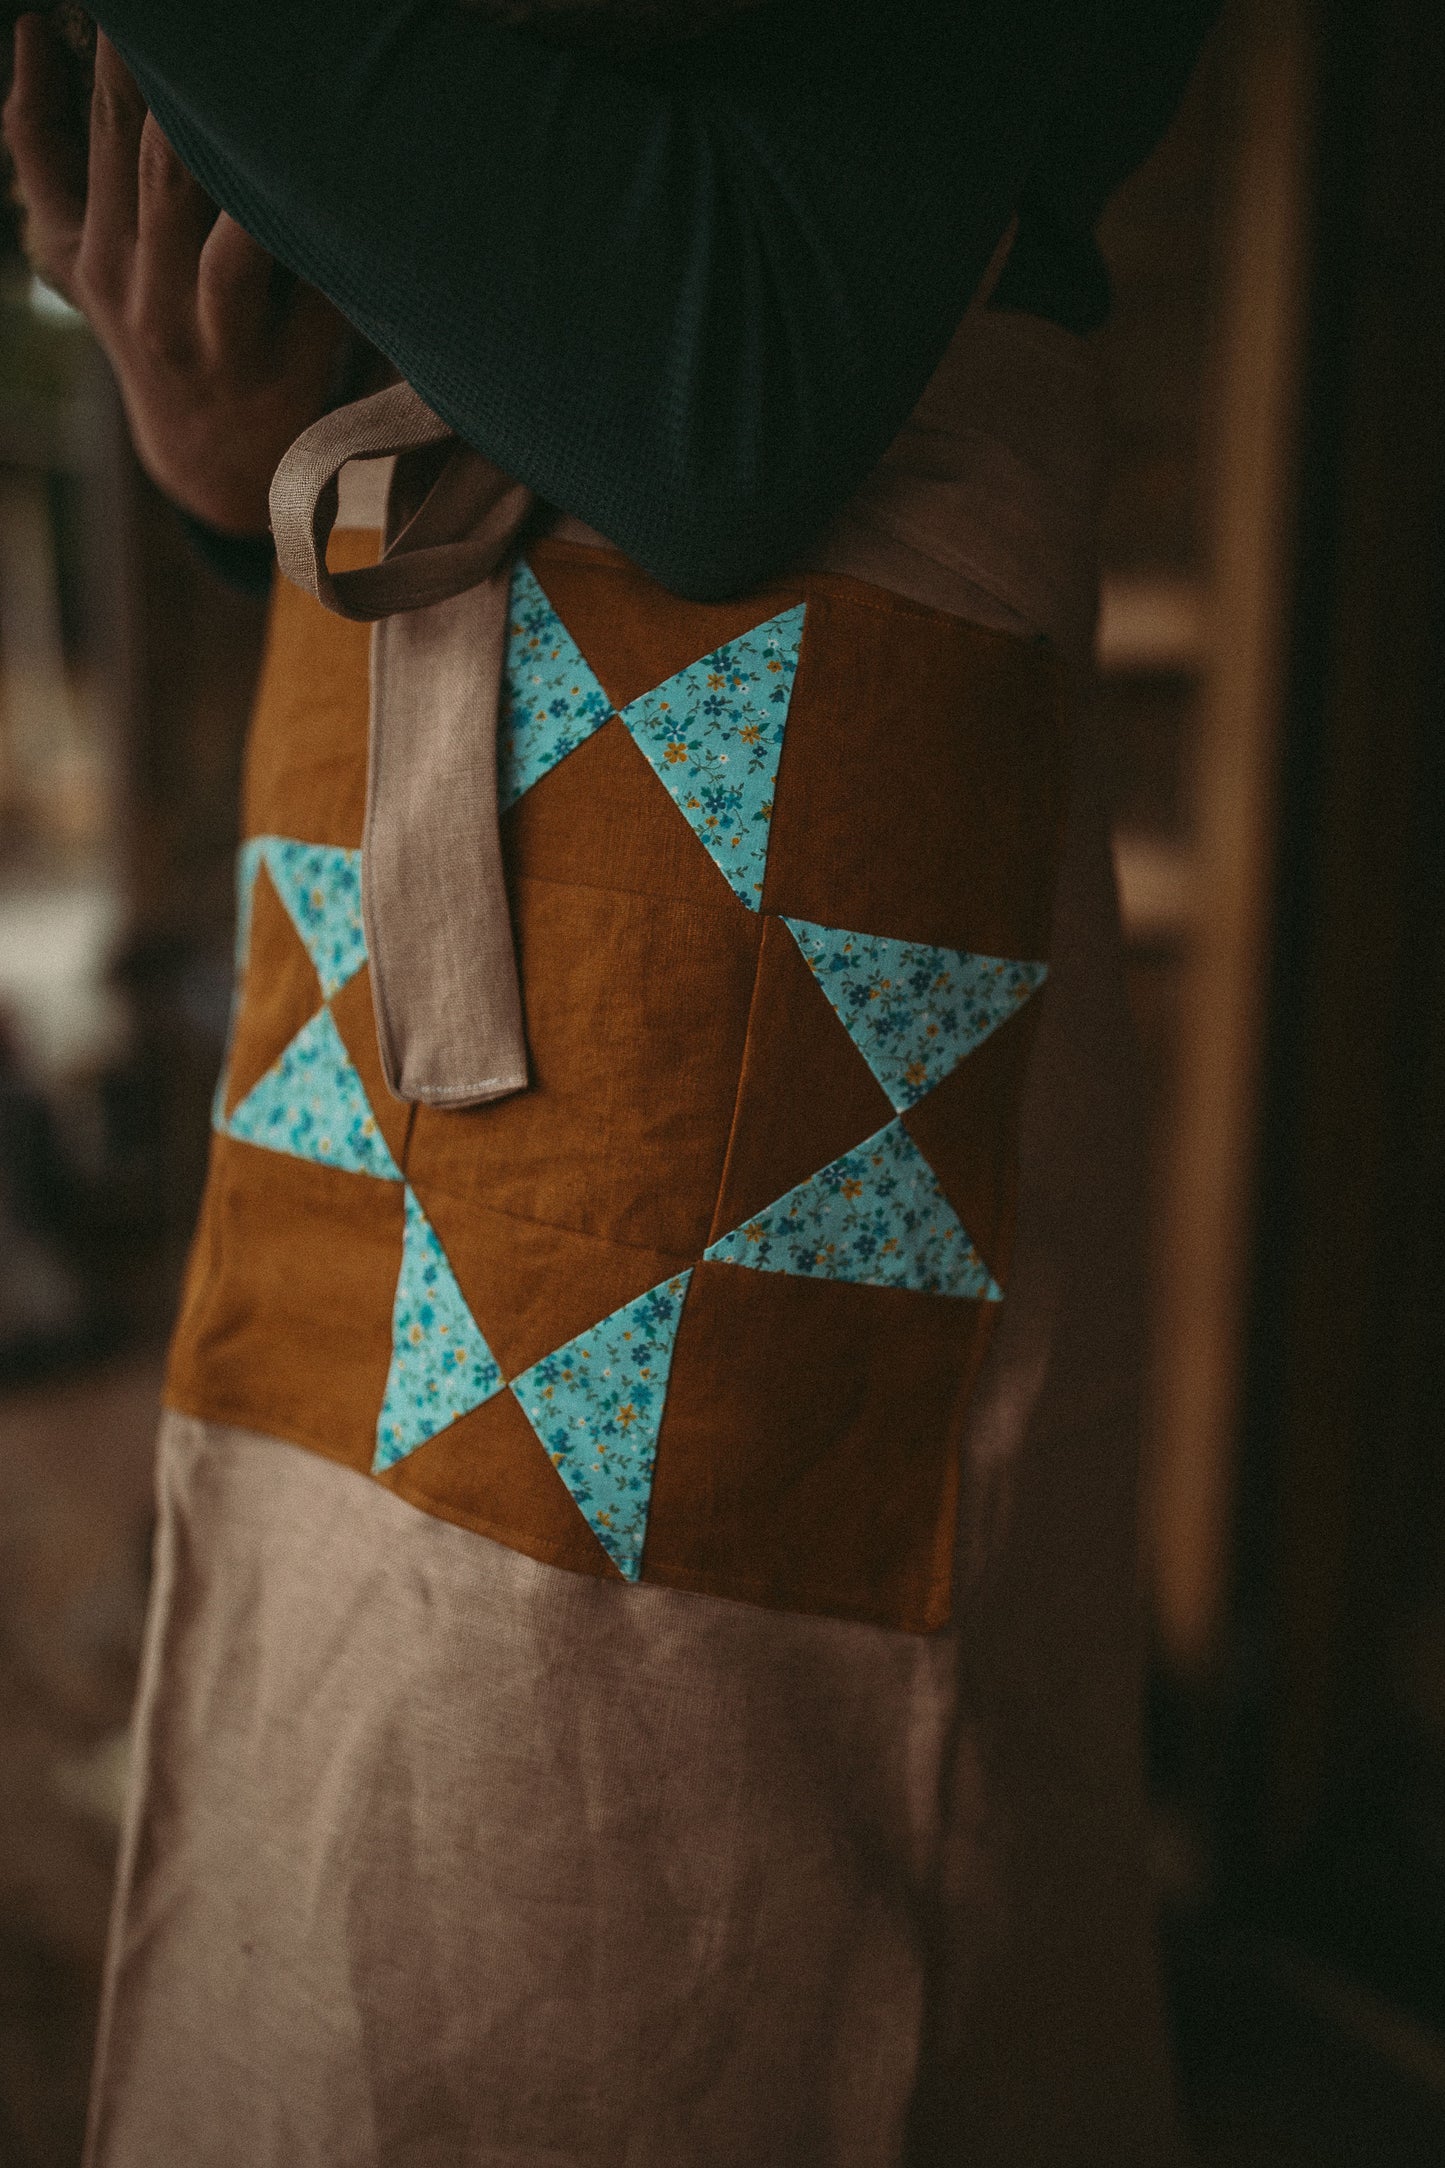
(320, 886)
(441, 1367)
(875, 1216)
(313, 1104)
(551, 700)
(597, 1405)
(913, 1011)
(713, 734)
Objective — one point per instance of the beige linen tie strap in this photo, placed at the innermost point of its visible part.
(433, 898)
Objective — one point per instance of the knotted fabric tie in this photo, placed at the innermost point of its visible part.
(433, 897)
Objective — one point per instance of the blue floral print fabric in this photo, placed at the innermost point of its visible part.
(875, 1216)
(551, 700)
(912, 1011)
(441, 1367)
(321, 889)
(712, 735)
(597, 1405)
(313, 1104)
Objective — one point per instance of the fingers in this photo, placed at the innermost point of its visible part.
(173, 217)
(48, 150)
(269, 324)
(117, 120)
(312, 342)
(236, 296)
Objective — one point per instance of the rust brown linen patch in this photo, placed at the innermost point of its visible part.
(805, 1094)
(287, 1328)
(705, 1304)
(636, 1009)
(600, 816)
(306, 757)
(932, 822)
(808, 1453)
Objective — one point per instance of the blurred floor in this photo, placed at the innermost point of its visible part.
(1283, 2067)
(74, 1540)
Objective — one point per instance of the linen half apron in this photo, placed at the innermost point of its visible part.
(580, 1723)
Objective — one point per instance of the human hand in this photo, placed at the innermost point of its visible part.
(222, 357)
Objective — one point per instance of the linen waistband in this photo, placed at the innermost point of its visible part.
(986, 504)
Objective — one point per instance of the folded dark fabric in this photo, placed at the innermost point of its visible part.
(690, 297)
(614, 25)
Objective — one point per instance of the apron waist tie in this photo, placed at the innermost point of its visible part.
(433, 897)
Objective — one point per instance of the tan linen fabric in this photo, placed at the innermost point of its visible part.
(444, 971)
(438, 1855)
(434, 899)
(987, 501)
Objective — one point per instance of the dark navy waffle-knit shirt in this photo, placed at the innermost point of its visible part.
(689, 297)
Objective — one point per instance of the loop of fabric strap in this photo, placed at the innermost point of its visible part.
(433, 895)
(466, 522)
